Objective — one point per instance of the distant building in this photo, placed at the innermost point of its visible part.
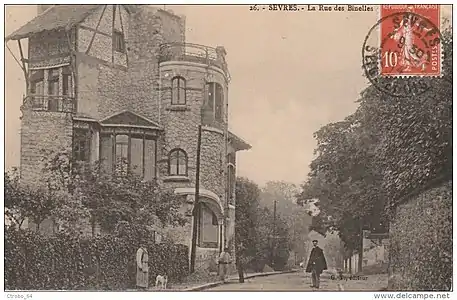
(119, 81)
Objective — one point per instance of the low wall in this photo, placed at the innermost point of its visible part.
(420, 252)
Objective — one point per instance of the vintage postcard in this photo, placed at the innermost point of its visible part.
(263, 147)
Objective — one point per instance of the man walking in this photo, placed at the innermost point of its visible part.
(316, 264)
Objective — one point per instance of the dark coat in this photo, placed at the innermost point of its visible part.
(316, 261)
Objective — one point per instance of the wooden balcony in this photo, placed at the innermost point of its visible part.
(194, 53)
(50, 103)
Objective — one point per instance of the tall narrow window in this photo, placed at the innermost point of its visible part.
(37, 88)
(216, 100)
(122, 145)
(231, 181)
(106, 153)
(53, 82)
(211, 95)
(53, 89)
(81, 144)
(218, 103)
(178, 90)
(177, 162)
(37, 82)
(149, 159)
(66, 81)
(118, 41)
(214, 220)
(136, 155)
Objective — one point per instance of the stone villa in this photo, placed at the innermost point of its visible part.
(119, 81)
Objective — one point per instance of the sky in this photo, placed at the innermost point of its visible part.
(292, 72)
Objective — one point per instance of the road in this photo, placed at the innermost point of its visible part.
(301, 282)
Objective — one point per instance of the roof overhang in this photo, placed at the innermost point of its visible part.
(59, 17)
(238, 143)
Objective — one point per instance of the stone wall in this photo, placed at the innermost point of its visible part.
(42, 130)
(132, 81)
(181, 128)
(101, 89)
(420, 249)
(102, 21)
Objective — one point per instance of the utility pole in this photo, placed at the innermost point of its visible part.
(360, 260)
(195, 211)
(274, 234)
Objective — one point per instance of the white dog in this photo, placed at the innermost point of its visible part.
(162, 280)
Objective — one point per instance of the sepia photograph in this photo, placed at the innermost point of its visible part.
(207, 147)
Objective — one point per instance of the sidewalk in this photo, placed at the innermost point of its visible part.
(230, 279)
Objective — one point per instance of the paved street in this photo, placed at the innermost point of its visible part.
(301, 282)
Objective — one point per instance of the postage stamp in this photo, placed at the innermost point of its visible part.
(410, 43)
(403, 50)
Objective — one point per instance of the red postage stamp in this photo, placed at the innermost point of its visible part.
(410, 40)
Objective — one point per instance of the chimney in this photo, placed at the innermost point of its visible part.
(41, 8)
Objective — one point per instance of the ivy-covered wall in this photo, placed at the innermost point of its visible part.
(421, 242)
(65, 262)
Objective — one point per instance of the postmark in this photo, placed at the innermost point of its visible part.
(402, 51)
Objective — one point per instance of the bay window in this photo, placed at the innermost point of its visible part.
(123, 151)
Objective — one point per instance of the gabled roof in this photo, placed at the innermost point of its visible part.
(127, 117)
(56, 17)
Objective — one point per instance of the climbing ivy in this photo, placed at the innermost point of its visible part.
(68, 262)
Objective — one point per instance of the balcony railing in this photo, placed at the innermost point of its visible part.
(50, 103)
(194, 53)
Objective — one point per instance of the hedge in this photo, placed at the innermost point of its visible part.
(64, 262)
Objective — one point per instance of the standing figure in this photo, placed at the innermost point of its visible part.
(316, 264)
(224, 261)
(142, 267)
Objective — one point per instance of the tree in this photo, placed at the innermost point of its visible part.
(16, 199)
(24, 202)
(247, 198)
(386, 149)
(296, 217)
(258, 240)
(111, 200)
(344, 178)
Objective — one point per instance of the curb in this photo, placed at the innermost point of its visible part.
(233, 280)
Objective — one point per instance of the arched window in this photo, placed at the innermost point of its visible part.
(178, 90)
(216, 100)
(177, 162)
